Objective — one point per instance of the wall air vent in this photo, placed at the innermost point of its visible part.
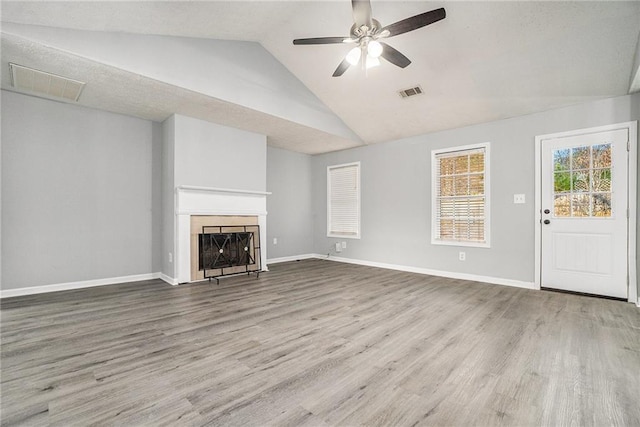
(406, 93)
(42, 83)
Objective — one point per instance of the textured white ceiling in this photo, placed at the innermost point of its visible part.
(485, 61)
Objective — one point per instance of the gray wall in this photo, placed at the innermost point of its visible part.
(212, 155)
(290, 218)
(79, 189)
(396, 192)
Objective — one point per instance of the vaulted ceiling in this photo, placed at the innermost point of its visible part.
(485, 61)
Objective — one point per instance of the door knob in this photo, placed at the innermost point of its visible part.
(547, 211)
(546, 221)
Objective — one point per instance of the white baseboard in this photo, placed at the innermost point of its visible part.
(291, 258)
(7, 293)
(169, 280)
(439, 273)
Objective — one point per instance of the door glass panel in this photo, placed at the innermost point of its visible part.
(580, 158)
(582, 181)
(602, 156)
(602, 180)
(561, 159)
(562, 182)
(601, 204)
(561, 206)
(580, 205)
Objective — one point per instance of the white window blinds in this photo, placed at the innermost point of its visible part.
(343, 200)
(460, 202)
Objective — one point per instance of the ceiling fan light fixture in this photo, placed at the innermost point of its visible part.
(375, 49)
(372, 61)
(353, 57)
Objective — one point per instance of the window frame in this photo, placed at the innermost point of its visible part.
(358, 203)
(487, 196)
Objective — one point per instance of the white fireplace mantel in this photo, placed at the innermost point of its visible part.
(192, 200)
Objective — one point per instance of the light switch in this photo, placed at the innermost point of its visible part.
(518, 199)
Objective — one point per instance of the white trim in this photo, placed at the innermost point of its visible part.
(291, 258)
(537, 214)
(439, 273)
(342, 236)
(169, 280)
(632, 206)
(7, 293)
(222, 190)
(632, 128)
(486, 146)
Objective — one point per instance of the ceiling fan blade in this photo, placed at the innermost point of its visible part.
(415, 22)
(361, 12)
(322, 40)
(394, 56)
(344, 65)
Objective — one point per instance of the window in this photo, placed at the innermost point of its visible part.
(343, 200)
(460, 196)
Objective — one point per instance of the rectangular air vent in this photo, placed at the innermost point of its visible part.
(410, 92)
(40, 82)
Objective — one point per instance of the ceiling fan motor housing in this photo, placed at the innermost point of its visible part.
(364, 31)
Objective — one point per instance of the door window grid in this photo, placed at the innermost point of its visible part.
(582, 181)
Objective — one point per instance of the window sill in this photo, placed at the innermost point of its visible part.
(485, 245)
(343, 236)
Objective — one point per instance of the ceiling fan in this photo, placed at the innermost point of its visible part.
(366, 33)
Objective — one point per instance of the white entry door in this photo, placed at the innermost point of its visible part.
(584, 213)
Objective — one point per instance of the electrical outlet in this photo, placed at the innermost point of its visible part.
(344, 245)
(518, 199)
(338, 247)
(170, 257)
(275, 240)
(462, 256)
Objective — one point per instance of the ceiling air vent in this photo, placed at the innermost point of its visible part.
(40, 82)
(411, 92)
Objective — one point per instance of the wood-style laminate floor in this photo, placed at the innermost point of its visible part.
(319, 343)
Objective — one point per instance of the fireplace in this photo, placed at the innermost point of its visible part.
(198, 207)
(225, 250)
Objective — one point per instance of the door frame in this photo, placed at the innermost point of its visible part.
(632, 128)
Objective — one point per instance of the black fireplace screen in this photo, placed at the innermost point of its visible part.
(225, 250)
